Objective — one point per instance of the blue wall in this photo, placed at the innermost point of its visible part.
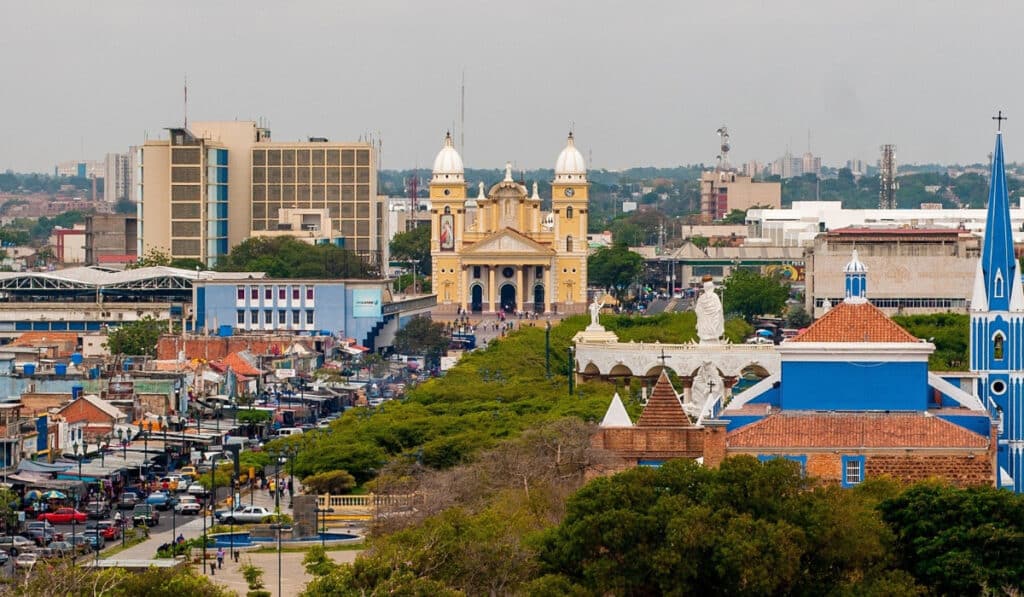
(854, 386)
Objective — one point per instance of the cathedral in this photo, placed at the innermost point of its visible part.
(499, 251)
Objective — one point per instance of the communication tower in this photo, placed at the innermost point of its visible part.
(723, 142)
(888, 184)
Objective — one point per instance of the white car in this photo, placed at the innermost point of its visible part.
(25, 560)
(188, 504)
(248, 514)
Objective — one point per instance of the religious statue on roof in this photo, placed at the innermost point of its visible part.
(595, 311)
(710, 317)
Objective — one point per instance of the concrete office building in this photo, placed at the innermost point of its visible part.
(116, 178)
(215, 184)
(722, 191)
(110, 238)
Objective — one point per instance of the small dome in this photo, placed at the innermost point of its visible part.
(448, 163)
(570, 165)
(855, 266)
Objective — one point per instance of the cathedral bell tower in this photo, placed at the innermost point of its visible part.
(569, 207)
(447, 220)
(997, 329)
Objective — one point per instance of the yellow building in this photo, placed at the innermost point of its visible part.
(499, 251)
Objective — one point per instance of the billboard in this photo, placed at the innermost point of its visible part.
(366, 302)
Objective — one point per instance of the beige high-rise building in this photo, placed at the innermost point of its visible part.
(210, 187)
(722, 191)
(499, 251)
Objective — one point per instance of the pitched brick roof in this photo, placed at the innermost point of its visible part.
(663, 408)
(854, 430)
(854, 322)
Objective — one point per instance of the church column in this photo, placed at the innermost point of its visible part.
(490, 288)
(521, 288)
(549, 290)
(464, 288)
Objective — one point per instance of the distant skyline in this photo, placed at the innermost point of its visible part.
(640, 83)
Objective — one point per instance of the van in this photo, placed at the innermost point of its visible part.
(286, 431)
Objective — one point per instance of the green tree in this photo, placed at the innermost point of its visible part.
(959, 541)
(421, 336)
(152, 258)
(798, 317)
(413, 247)
(614, 268)
(750, 294)
(736, 216)
(948, 331)
(332, 482)
(288, 257)
(188, 263)
(136, 337)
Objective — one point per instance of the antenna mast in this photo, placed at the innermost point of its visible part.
(462, 116)
(888, 186)
(186, 101)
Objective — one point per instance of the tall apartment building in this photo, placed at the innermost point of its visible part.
(116, 178)
(722, 191)
(210, 187)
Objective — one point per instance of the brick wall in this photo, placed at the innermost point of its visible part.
(213, 347)
(37, 403)
(714, 444)
(960, 470)
(651, 442)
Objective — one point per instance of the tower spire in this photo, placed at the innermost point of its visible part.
(856, 276)
(998, 265)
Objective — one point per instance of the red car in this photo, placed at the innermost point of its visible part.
(108, 530)
(63, 516)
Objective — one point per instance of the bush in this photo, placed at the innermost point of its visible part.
(333, 482)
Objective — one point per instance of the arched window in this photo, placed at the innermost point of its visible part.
(447, 209)
(568, 244)
(997, 285)
(997, 347)
(568, 213)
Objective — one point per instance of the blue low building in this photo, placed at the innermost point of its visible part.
(361, 309)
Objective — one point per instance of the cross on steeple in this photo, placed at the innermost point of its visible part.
(663, 357)
(999, 118)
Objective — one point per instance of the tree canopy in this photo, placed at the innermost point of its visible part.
(421, 336)
(413, 247)
(750, 294)
(614, 268)
(950, 334)
(136, 337)
(288, 257)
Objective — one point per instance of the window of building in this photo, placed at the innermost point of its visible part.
(254, 317)
(281, 294)
(538, 271)
(241, 317)
(254, 293)
(295, 294)
(997, 347)
(799, 459)
(568, 244)
(241, 293)
(568, 213)
(282, 317)
(268, 294)
(476, 272)
(295, 317)
(853, 470)
(309, 317)
(268, 317)
(309, 293)
(997, 285)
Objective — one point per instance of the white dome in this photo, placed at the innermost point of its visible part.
(855, 266)
(570, 166)
(448, 163)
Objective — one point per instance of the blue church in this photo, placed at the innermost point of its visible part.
(997, 329)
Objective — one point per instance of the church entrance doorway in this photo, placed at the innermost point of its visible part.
(538, 298)
(508, 298)
(476, 302)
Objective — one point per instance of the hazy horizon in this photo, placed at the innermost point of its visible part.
(643, 85)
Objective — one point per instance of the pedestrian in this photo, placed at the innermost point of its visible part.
(220, 557)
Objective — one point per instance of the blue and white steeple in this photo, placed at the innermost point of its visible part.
(856, 275)
(997, 329)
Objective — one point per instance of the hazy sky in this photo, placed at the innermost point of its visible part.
(646, 83)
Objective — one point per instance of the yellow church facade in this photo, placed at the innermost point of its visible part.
(499, 252)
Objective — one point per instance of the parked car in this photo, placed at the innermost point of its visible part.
(63, 516)
(45, 525)
(97, 509)
(161, 500)
(78, 543)
(188, 504)
(188, 470)
(170, 482)
(16, 544)
(40, 536)
(145, 515)
(4, 558)
(247, 514)
(127, 500)
(197, 489)
(95, 538)
(25, 560)
(60, 549)
(107, 528)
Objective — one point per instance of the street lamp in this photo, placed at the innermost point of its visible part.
(323, 527)
(122, 437)
(547, 348)
(278, 527)
(167, 453)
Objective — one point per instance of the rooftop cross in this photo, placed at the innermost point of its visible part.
(999, 118)
(663, 357)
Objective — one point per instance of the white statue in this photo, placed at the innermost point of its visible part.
(707, 387)
(595, 310)
(710, 318)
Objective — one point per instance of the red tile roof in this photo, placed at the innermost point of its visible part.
(239, 365)
(663, 408)
(854, 322)
(849, 430)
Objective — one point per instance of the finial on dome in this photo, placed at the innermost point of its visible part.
(508, 172)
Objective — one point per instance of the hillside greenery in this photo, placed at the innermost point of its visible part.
(950, 334)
